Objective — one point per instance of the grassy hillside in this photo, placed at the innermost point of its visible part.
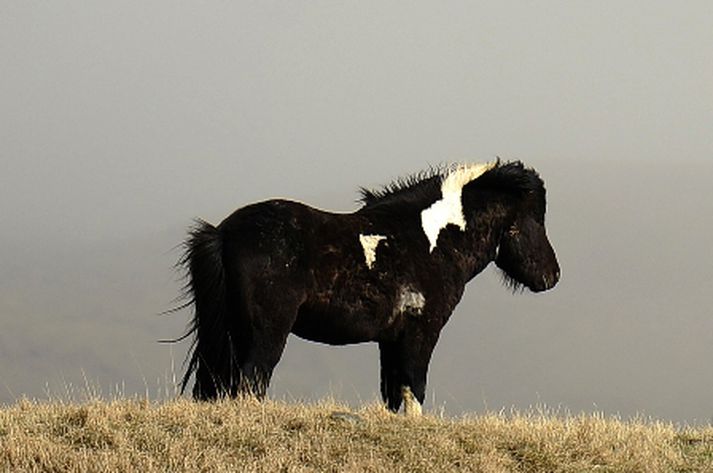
(274, 436)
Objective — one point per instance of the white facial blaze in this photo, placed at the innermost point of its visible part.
(369, 244)
(449, 210)
(412, 407)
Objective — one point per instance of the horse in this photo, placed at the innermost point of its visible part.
(390, 272)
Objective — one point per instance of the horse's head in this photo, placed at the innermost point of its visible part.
(524, 253)
(526, 256)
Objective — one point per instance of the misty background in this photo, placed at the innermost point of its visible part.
(121, 122)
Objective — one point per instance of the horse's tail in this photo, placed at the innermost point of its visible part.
(212, 353)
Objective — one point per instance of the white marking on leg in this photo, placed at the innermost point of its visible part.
(411, 301)
(412, 407)
(369, 244)
(449, 209)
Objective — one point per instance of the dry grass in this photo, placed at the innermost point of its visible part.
(274, 436)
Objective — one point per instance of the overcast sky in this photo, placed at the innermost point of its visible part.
(120, 122)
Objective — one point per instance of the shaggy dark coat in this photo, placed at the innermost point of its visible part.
(279, 267)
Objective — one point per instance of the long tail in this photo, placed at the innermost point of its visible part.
(212, 357)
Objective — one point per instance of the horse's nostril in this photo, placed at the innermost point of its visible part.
(549, 282)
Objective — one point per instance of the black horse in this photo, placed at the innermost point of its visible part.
(391, 272)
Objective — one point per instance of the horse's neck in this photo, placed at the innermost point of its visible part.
(482, 238)
(482, 229)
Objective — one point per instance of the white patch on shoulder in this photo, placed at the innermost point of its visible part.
(369, 243)
(449, 210)
(410, 301)
(412, 408)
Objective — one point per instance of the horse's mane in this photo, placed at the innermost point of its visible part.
(512, 176)
(420, 184)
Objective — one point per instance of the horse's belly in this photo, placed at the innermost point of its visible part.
(339, 325)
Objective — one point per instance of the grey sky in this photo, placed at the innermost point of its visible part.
(121, 122)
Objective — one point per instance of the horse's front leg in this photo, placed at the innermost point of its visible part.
(404, 367)
(391, 375)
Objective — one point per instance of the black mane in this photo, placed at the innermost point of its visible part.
(514, 177)
(511, 176)
(421, 183)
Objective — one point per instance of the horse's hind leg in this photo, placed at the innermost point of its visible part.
(270, 323)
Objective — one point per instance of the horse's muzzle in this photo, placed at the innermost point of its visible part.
(549, 281)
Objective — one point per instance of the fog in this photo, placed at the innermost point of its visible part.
(121, 123)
